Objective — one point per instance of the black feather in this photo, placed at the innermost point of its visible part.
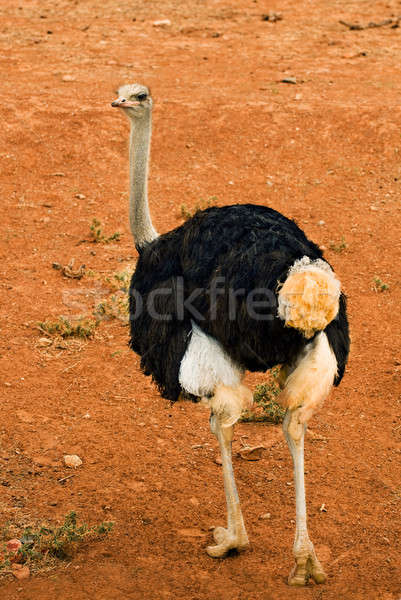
(240, 249)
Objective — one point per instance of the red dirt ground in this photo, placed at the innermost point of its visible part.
(326, 152)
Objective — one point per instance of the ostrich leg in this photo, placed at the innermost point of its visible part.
(306, 563)
(234, 536)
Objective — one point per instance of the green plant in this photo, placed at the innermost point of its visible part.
(379, 285)
(97, 234)
(339, 246)
(82, 327)
(114, 307)
(43, 545)
(187, 213)
(266, 407)
(119, 281)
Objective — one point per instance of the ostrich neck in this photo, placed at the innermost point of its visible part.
(139, 216)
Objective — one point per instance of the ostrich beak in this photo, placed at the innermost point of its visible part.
(124, 103)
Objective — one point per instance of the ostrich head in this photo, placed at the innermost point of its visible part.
(134, 100)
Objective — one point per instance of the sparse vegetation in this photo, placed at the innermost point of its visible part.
(65, 328)
(379, 285)
(187, 213)
(339, 246)
(98, 236)
(266, 407)
(119, 281)
(42, 546)
(114, 307)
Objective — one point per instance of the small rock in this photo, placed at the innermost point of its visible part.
(162, 23)
(24, 416)
(218, 460)
(13, 546)
(265, 516)
(68, 78)
(289, 80)
(43, 342)
(321, 222)
(272, 17)
(270, 477)
(72, 460)
(59, 174)
(80, 196)
(194, 501)
(20, 571)
(251, 453)
(137, 486)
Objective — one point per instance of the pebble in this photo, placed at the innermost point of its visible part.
(24, 416)
(251, 453)
(20, 571)
(72, 460)
(321, 222)
(162, 23)
(13, 546)
(68, 78)
(80, 196)
(289, 80)
(265, 516)
(272, 17)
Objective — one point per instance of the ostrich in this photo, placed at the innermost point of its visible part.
(194, 323)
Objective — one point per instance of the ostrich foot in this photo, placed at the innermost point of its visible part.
(306, 567)
(227, 539)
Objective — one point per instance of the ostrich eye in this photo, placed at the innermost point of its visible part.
(142, 97)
